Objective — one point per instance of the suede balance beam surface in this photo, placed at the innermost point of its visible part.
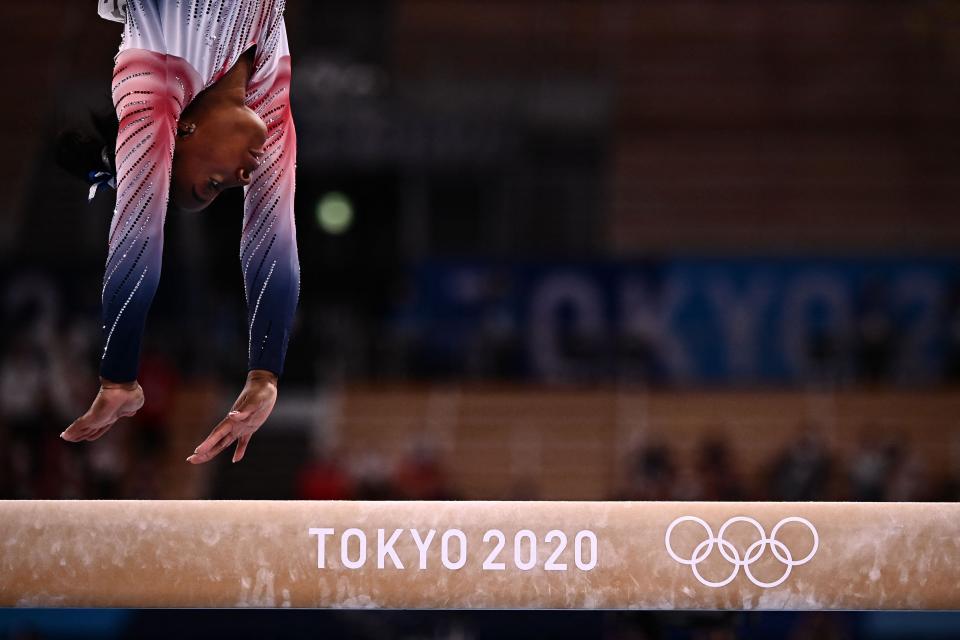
(494, 555)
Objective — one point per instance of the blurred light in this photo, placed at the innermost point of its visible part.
(334, 213)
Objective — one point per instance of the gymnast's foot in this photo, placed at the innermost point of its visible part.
(115, 400)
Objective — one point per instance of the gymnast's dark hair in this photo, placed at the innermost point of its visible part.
(85, 152)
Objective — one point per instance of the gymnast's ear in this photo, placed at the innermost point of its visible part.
(185, 129)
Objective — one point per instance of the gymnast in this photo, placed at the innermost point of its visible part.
(201, 92)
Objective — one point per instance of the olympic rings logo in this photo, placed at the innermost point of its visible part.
(732, 555)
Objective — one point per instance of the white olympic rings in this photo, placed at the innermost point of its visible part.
(732, 555)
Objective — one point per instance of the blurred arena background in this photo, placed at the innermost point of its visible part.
(586, 250)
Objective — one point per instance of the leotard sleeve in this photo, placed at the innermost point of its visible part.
(268, 243)
(149, 90)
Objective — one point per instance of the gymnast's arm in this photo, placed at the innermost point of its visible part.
(148, 104)
(271, 270)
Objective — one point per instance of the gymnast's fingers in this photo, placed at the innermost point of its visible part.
(242, 443)
(206, 456)
(221, 432)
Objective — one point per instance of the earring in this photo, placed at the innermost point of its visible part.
(185, 128)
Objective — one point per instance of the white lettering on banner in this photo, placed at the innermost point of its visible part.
(648, 316)
(694, 321)
(562, 290)
(740, 314)
(809, 293)
(455, 551)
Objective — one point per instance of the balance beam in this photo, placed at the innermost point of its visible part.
(494, 555)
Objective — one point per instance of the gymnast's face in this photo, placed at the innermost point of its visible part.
(217, 148)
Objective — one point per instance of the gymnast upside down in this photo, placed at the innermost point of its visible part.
(201, 92)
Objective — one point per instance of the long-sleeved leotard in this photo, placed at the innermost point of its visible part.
(268, 245)
(171, 52)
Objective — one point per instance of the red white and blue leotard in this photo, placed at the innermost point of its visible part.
(171, 51)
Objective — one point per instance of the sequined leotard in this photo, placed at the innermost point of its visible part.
(171, 51)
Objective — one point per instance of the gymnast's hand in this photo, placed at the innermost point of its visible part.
(115, 400)
(248, 413)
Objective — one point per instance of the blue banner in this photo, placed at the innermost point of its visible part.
(690, 321)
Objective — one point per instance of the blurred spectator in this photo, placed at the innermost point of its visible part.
(372, 477)
(160, 381)
(651, 474)
(802, 470)
(909, 481)
(70, 478)
(717, 478)
(884, 469)
(108, 465)
(145, 480)
(870, 467)
(25, 410)
(24, 388)
(420, 474)
(323, 478)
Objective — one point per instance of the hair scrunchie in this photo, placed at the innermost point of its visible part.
(105, 177)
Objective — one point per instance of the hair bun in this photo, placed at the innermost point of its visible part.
(83, 152)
